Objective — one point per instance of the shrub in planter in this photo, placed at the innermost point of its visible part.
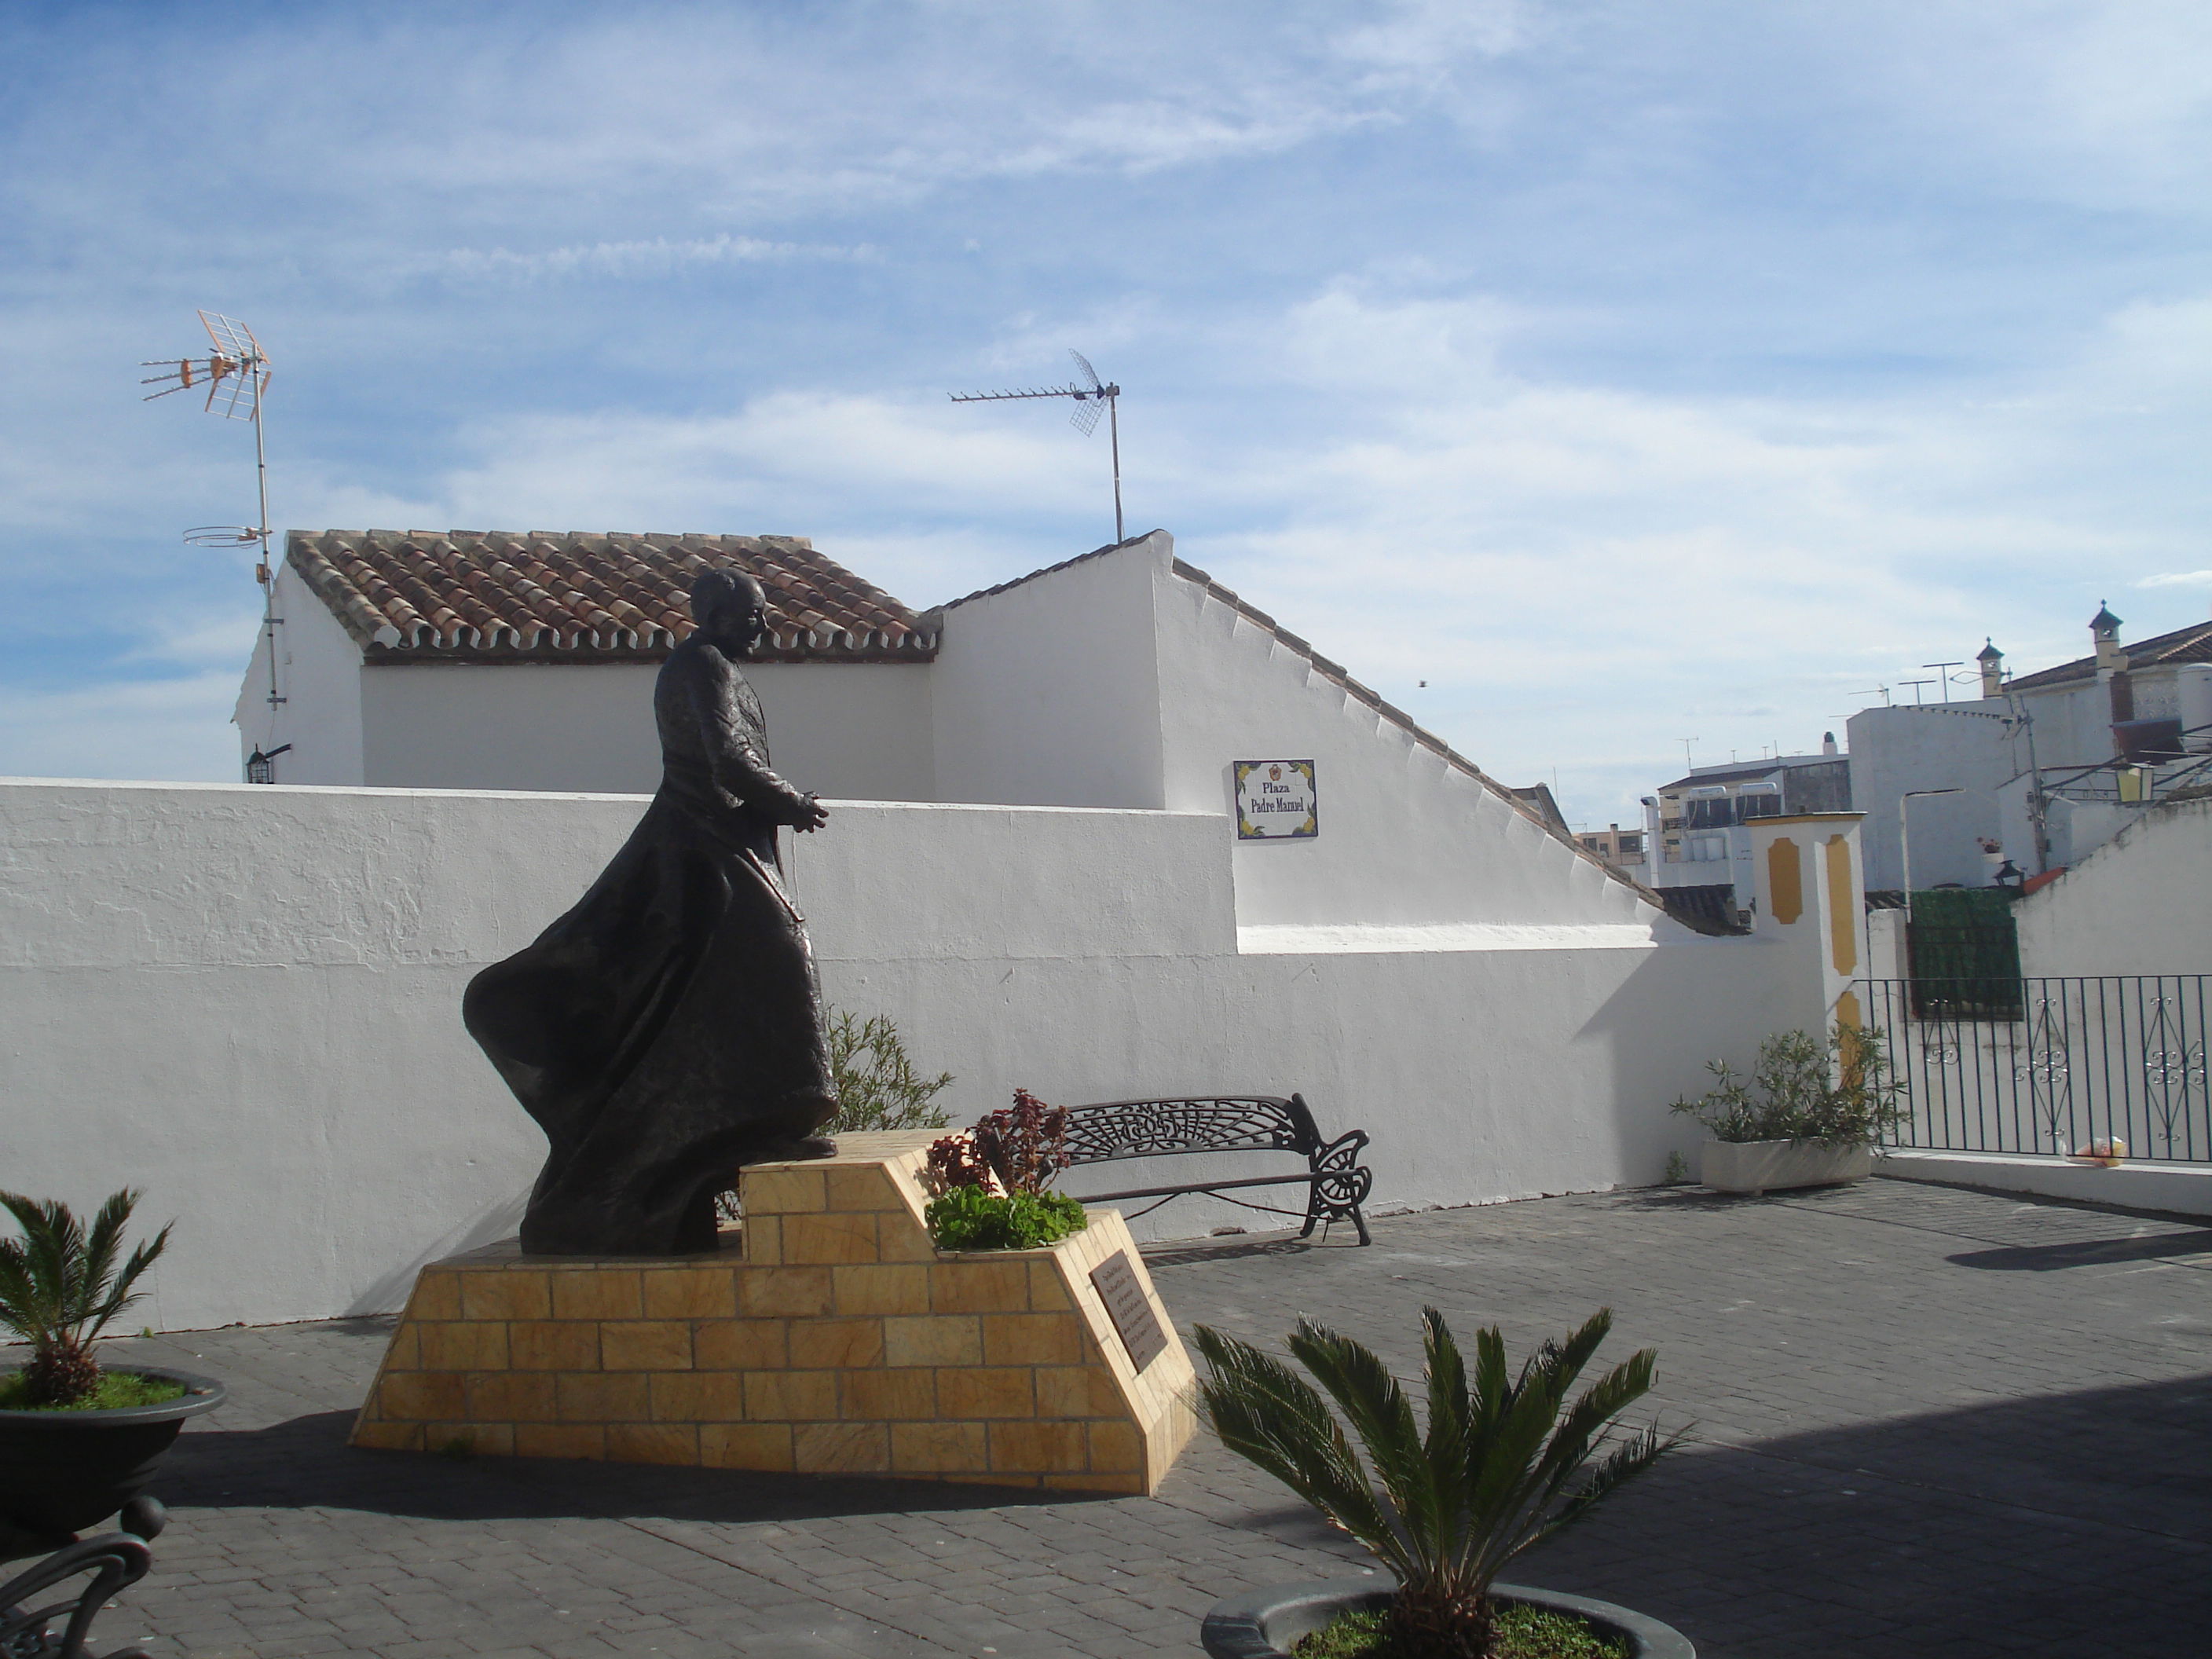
(1505, 1461)
(1840, 1092)
(992, 1183)
(77, 1442)
(877, 1086)
(59, 1287)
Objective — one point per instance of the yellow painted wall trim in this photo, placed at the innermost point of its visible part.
(1785, 879)
(1843, 908)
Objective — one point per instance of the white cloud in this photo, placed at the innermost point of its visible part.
(170, 728)
(2179, 578)
(631, 260)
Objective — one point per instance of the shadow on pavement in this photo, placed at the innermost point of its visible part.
(306, 1462)
(2086, 1253)
(2063, 1523)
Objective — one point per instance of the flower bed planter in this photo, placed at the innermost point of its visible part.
(1264, 1624)
(1760, 1166)
(62, 1471)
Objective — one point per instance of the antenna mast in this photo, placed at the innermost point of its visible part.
(236, 372)
(1085, 418)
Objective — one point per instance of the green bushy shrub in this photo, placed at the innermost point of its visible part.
(878, 1087)
(977, 1219)
(1840, 1092)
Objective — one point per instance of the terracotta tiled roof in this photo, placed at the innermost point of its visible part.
(2190, 644)
(544, 596)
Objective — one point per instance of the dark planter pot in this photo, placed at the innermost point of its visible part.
(62, 1471)
(1263, 1624)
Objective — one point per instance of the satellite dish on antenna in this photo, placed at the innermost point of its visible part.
(1091, 394)
(236, 374)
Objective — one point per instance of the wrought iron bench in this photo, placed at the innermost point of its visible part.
(58, 1630)
(1335, 1180)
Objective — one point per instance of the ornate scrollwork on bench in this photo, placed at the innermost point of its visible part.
(59, 1630)
(1336, 1182)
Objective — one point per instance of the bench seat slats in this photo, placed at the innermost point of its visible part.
(1336, 1182)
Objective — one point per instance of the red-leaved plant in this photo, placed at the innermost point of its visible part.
(1017, 1149)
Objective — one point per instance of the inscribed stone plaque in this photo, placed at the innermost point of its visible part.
(1131, 1312)
(1277, 800)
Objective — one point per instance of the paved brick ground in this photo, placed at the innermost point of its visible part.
(1928, 1422)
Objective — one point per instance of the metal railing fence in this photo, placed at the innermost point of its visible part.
(2119, 1058)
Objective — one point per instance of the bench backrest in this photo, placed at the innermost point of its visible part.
(1112, 1129)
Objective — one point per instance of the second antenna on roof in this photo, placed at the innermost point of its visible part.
(1085, 419)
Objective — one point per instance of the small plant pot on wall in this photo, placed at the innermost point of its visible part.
(1762, 1166)
(1268, 1624)
(62, 1471)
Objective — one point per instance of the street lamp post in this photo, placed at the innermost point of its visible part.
(1905, 837)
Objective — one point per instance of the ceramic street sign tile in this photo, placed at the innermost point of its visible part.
(1277, 800)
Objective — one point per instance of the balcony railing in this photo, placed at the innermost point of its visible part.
(2116, 1059)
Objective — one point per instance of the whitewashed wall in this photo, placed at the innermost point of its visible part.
(247, 1001)
(2141, 903)
(835, 728)
(1961, 745)
(1049, 693)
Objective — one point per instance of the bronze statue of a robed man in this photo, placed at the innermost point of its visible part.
(668, 1029)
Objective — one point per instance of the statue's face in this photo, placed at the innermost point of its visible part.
(739, 622)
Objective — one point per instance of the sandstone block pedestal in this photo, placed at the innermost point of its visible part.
(828, 1336)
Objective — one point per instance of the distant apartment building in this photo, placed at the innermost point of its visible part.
(2041, 768)
(1621, 848)
(1694, 836)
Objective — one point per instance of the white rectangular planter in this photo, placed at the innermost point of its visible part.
(1759, 1166)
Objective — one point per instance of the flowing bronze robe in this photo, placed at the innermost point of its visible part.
(667, 1029)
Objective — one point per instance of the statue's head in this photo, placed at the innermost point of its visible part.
(731, 609)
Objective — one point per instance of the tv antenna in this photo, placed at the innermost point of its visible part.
(1947, 667)
(236, 376)
(1088, 397)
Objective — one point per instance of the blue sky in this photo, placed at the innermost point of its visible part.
(1628, 372)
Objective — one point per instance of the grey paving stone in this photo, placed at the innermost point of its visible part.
(1927, 1422)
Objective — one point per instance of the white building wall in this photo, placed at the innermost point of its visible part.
(2140, 903)
(835, 728)
(1961, 745)
(319, 677)
(1406, 838)
(246, 1001)
(1049, 693)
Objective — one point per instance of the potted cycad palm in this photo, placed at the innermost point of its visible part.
(77, 1439)
(1808, 1115)
(1503, 1463)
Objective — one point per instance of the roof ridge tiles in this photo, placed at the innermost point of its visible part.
(416, 595)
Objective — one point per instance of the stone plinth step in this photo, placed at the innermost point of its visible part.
(828, 1336)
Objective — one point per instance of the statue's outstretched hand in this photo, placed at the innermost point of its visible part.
(814, 815)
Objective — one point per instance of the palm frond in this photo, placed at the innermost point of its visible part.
(1451, 1418)
(1494, 1471)
(1265, 1412)
(1380, 1414)
(1628, 1460)
(59, 1283)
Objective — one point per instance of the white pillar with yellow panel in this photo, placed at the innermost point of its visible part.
(1811, 900)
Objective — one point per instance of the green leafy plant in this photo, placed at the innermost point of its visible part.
(991, 1182)
(1840, 1092)
(1505, 1461)
(878, 1087)
(60, 1283)
(1678, 1169)
(976, 1219)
